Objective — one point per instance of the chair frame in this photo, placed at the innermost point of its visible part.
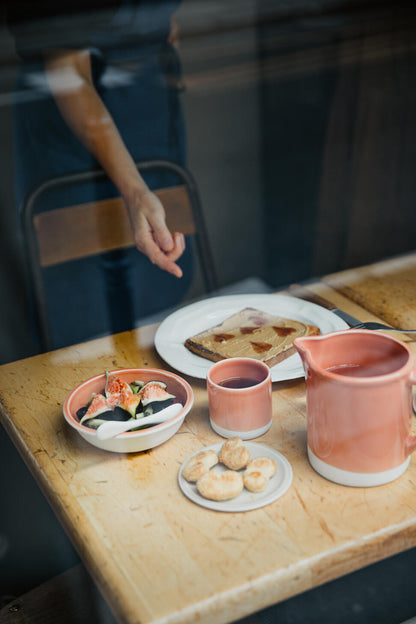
(30, 239)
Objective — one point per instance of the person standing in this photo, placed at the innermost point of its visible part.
(99, 85)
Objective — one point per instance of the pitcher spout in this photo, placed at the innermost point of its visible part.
(302, 346)
(309, 348)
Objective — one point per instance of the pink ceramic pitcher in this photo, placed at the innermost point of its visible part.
(359, 405)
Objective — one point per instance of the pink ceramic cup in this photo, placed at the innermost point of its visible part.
(245, 412)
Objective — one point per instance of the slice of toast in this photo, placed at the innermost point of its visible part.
(250, 333)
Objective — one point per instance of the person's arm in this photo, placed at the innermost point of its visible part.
(70, 79)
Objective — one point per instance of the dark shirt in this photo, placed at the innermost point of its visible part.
(109, 25)
(134, 69)
(136, 72)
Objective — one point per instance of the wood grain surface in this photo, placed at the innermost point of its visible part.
(156, 556)
(105, 226)
(387, 289)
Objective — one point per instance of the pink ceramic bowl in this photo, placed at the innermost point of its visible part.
(132, 441)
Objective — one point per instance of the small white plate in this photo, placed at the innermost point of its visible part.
(246, 501)
(196, 317)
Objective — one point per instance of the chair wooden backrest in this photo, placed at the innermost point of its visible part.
(105, 226)
(74, 232)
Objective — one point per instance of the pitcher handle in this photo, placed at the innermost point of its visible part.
(411, 440)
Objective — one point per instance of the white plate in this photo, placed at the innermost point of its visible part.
(278, 484)
(199, 316)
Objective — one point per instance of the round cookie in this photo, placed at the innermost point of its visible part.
(257, 473)
(234, 454)
(199, 464)
(220, 487)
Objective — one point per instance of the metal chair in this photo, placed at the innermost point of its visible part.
(55, 236)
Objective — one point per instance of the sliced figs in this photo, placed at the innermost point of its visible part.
(136, 386)
(114, 386)
(154, 391)
(118, 413)
(97, 407)
(151, 384)
(155, 397)
(94, 423)
(130, 402)
(125, 401)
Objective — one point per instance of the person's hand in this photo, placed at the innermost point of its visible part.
(86, 114)
(151, 234)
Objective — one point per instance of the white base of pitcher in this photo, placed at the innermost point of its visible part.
(355, 479)
(243, 435)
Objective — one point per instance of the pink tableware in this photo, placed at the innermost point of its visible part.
(359, 405)
(240, 398)
(131, 441)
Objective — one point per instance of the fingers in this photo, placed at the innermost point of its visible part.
(152, 236)
(174, 254)
(164, 260)
(157, 224)
(178, 246)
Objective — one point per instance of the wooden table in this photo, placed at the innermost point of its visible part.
(158, 557)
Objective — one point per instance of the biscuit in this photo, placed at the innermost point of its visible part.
(257, 473)
(199, 464)
(234, 454)
(220, 487)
